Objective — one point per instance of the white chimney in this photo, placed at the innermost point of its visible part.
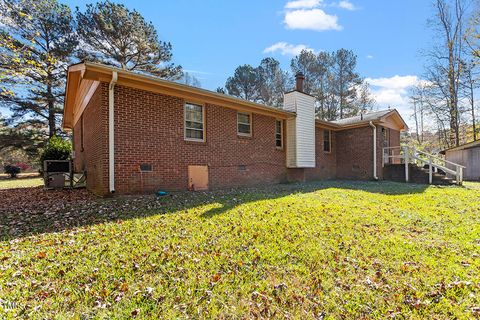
(301, 129)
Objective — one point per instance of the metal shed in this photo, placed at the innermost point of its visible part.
(467, 155)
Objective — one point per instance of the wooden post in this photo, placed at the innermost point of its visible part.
(407, 160)
(430, 171)
(461, 176)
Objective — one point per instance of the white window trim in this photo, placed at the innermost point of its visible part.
(281, 134)
(185, 122)
(329, 141)
(250, 124)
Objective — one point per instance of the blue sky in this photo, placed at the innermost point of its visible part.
(211, 38)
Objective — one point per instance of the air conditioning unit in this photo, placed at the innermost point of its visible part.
(56, 172)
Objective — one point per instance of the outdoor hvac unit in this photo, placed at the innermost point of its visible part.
(55, 172)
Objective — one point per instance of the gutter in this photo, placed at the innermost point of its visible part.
(111, 133)
(374, 150)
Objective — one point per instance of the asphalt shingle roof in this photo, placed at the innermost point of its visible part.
(371, 116)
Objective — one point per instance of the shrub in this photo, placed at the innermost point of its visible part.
(56, 149)
(12, 170)
(23, 166)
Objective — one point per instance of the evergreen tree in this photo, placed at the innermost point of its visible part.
(245, 83)
(307, 63)
(346, 81)
(112, 34)
(273, 82)
(264, 84)
(37, 39)
(332, 79)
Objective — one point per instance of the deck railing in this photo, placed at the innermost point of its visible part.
(409, 155)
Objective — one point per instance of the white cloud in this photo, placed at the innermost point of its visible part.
(286, 49)
(347, 5)
(313, 19)
(395, 82)
(370, 56)
(393, 91)
(197, 71)
(302, 4)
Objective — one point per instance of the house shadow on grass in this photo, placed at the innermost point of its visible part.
(31, 211)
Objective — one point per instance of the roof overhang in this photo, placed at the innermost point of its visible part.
(97, 73)
(327, 125)
(393, 120)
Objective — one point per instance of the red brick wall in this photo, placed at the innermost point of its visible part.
(326, 163)
(94, 157)
(149, 129)
(354, 153)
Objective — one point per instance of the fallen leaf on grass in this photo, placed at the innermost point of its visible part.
(216, 277)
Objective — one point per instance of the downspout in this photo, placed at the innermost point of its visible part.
(111, 133)
(374, 150)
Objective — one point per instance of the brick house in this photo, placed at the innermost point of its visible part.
(134, 133)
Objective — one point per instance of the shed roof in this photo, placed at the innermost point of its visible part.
(470, 145)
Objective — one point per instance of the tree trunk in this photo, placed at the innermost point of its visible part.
(472, 105)
(416, 120)
(474, 127)
(51, 112)
(453, 136)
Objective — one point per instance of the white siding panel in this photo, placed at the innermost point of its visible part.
(301, 141)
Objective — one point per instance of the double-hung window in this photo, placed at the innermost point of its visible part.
(244, 124)
(279, 134)
(194, 122)
(327, 140)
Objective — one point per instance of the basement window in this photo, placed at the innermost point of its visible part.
(279, 134)
(244, 124)
(327, 141)
(194, 122)
(145, 167)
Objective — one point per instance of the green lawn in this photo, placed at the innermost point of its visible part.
(328, 250)
(20, 182)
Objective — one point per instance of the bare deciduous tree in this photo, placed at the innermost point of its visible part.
(445, 63)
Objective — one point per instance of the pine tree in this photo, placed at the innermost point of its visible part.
(37, 39)
(273, 82)
(245, 83)
(112, 34)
